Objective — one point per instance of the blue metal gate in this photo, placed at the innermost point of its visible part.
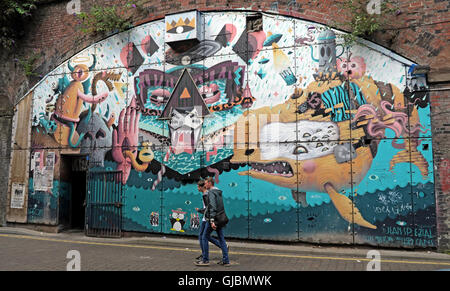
(104, 204)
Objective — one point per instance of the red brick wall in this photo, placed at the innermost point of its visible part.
(440, 109)
(423, 34)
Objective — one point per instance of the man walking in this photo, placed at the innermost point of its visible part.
(214, 206)
(202, 189)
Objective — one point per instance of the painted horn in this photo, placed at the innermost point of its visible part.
(94, 62)
(72, 131)
(70, 66)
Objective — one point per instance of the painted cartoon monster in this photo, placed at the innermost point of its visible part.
(70, 102)
(352, 67)
(304, 144)
(97, 133)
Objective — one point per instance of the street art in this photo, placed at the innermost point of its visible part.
(177, 220)
(309, 140)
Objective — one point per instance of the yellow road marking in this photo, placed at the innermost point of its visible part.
(235, 253)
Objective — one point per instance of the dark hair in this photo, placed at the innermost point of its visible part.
(210, 180)
(201, 183)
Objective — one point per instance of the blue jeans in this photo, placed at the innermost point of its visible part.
(222, 243)
(201, 233)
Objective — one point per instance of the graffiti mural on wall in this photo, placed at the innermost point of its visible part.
(308, 140)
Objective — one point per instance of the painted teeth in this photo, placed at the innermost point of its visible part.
(276, 168)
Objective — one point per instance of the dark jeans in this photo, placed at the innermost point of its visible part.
(222, 243)
(202, 232)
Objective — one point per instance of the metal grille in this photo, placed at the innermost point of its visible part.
(104, 204)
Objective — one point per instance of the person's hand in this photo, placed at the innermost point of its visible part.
(213, 225)
(196, 209)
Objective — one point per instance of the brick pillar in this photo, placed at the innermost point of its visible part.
(440, 108)
(6, 115)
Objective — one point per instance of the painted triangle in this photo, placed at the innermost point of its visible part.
(185, 94)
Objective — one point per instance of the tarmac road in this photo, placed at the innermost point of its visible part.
(28, 250)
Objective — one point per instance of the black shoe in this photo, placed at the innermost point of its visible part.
(224, 264)
(199, 258)
(201, 263)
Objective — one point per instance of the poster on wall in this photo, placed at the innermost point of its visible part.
(43, 178)
(17, 195)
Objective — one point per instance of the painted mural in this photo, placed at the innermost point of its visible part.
(309, 140)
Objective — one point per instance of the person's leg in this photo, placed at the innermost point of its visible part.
(214, 241)
(223, 245)
(206, 239)
(200, 236)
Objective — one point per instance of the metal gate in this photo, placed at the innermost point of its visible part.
(104, 204)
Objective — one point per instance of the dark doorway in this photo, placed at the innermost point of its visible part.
(78, 204)
(73, 173)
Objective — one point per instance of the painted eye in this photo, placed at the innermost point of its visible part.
(353, 65)
(328, 51)
(180, 29)
(300, 150)
(100, 133)
(344, 66)
(322, 52)
(306, 134)
(88, 135)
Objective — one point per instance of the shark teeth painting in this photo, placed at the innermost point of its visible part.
(300, 140)
(282, 169)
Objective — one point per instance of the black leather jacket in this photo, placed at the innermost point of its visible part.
(215, 203)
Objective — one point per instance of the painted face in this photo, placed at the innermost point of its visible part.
(354, 68)
(185, 130)
(179, 216)
(97, 139)
(80, 73)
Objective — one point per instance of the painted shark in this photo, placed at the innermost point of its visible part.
(324, 132)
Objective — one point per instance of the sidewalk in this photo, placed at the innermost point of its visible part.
(237, 245)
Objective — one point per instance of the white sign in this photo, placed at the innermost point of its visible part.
(17, 195)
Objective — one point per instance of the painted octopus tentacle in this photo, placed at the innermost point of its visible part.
(216, 173)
